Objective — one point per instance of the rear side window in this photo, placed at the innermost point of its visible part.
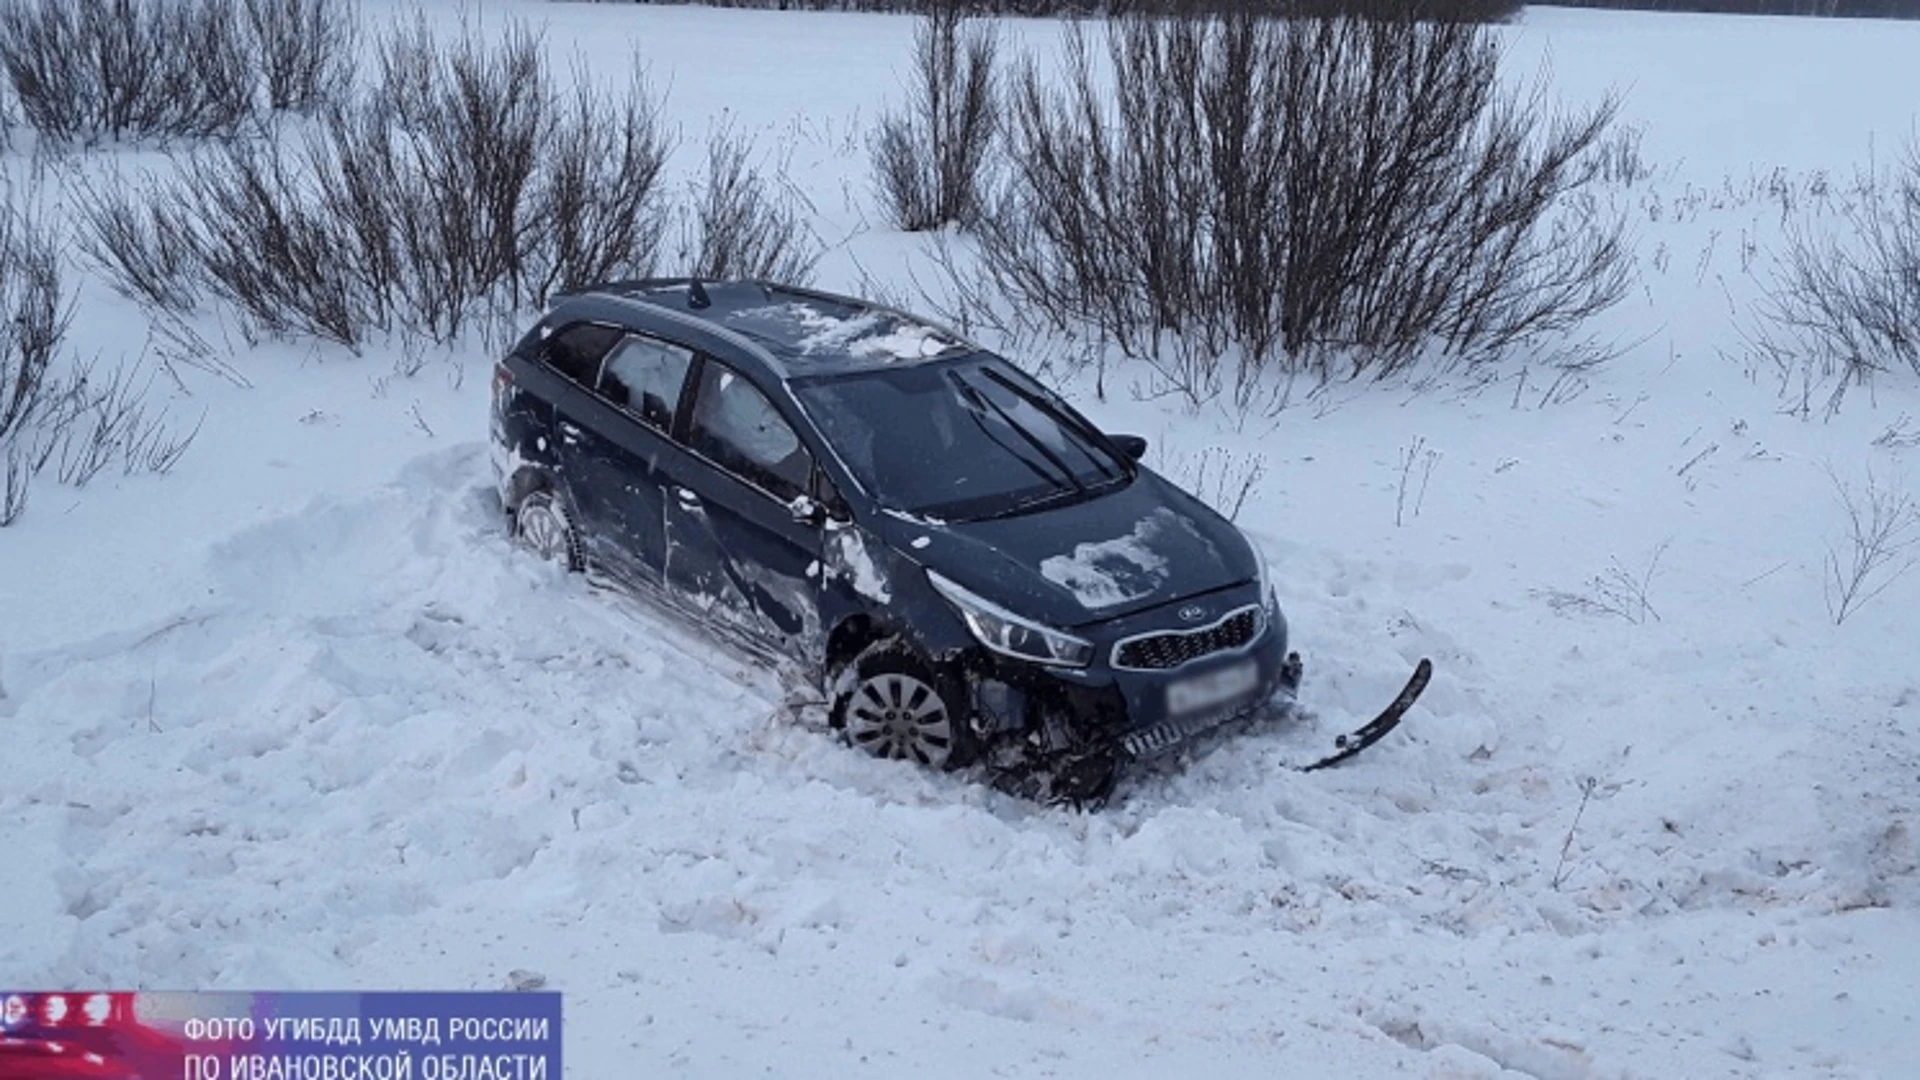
(735, 426)
(576, 351)
(644, 376)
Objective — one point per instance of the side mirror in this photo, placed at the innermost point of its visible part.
(1134, 446)
(807, 510)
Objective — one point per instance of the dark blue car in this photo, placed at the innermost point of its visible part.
(972, 570)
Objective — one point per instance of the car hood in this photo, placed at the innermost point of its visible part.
(1118, 553)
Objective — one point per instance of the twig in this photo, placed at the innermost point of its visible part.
(1586, 793)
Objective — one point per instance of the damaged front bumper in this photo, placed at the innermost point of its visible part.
(1122, 713)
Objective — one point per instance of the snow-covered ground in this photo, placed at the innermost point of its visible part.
(297, 715)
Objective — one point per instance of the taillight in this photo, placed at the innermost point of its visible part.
(501, 378)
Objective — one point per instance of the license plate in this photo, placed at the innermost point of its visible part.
(1213, 688)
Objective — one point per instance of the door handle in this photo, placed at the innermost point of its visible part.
(687, 498)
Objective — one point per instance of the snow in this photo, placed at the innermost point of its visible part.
(1108, 573)
(866, 334)
(298, 716)
(849, 557)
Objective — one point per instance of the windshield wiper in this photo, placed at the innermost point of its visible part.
(974, 393)
(1090, 442)
(975, 398)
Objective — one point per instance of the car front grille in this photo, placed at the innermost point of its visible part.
(1164, 649)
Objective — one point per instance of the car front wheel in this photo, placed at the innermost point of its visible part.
(898, 707)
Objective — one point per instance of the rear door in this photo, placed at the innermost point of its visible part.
(614, 441)
(735, 549)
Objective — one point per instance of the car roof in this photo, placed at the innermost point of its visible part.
(798, 332)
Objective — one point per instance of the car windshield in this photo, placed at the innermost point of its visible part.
(958, 441)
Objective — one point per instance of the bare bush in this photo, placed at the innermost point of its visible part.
(1339, 196)
(1222, 479)
(266, 246)
(1408, 499)
(1844, 304)
(1618, 592)
(84, 70)
(16, 478)
(738, 227)
(78, 421)
(34, 314)
(599, 211)
(137, 240)
(930, 158)
(305, 49)
(1883, 525)
(1456, 10)
(465, 185)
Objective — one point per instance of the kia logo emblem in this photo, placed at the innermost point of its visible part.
(1193, 612)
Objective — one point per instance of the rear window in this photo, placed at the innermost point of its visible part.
(575, 351)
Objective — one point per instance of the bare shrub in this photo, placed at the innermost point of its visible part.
(34, 314)
(930, 158)
(78, 422)
(262, 243)
(464, 186)
(1455, 10)
(1221, 478)
(471, 117)
(1339, 196)
(16, 479)
(1844, 304)
(599, 211)
(305, 50)
(737, 227)
(84, 70)
(137, 240)
(1883, 525)
(1617, 592)
(1618, 158)
(1408, 499)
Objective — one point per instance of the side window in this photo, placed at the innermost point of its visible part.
(737, 427)
(644, 376)
(576, 350)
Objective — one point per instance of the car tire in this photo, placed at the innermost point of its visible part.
(896, 706)
(542, 525)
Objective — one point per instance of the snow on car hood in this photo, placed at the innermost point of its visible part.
(1126, 551)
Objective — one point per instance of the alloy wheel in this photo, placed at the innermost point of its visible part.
(895, 715)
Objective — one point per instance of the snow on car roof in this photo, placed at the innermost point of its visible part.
(807, 332)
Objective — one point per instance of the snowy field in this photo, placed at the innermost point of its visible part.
(298, 716)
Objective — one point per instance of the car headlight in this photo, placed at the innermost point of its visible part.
(1260, 565)
(1004, 632)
